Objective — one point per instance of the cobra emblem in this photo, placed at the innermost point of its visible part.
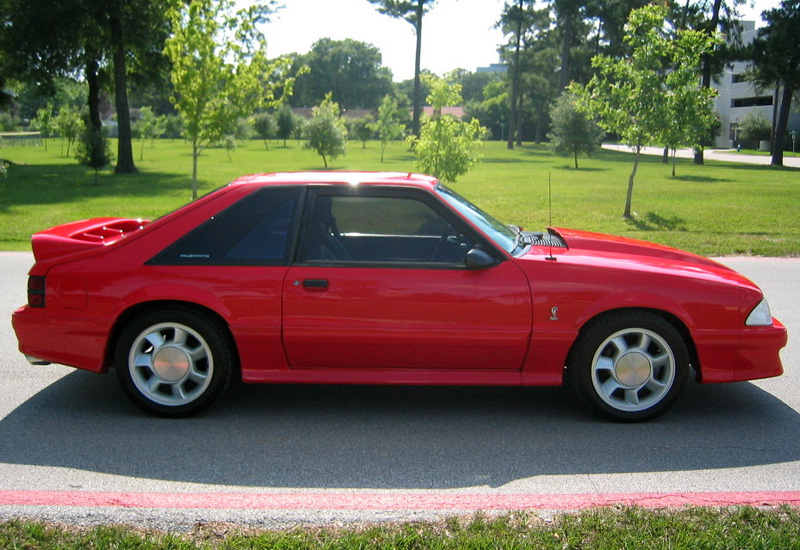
(554, 314)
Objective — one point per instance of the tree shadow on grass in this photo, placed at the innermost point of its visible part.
(48, 184)
(571, 168)
(653, 221)
(700, 179)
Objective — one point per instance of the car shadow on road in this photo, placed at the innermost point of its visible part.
(390, 437)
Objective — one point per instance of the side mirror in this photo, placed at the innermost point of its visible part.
(479, 259)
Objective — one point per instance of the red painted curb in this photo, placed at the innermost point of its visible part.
(390, 501)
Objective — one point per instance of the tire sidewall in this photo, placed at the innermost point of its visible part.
(580, 369)
(218, 344)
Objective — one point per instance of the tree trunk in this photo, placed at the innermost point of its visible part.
(94, 93)
(706, 80)
(512, 113)
(125, 164)
(567, 28)
(629, 199)
(780, 131)
(195, 154)
(415, 125)
(519, 118)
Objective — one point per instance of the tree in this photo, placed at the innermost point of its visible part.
(389, 125)
(350, 69)
(755, 127)
(219, 70)
(286, 124)
(516, 19)
(446, 147)
(723, 17)
(776, 60)
(150, 126)
(68, 124)
(45, 123)
(50, 38)
(628, 95)
(92, 150)
(411, 11)
(326, 131)
(361, 129)
(573, 131)
(265, 127)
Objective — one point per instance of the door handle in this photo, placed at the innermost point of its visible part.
(315, 283)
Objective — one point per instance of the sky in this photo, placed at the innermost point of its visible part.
(456, 34)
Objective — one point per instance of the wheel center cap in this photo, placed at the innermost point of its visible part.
(633, 369)
(171, 364)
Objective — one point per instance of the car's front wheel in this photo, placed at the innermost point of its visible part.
(174, 362)
(630, 366)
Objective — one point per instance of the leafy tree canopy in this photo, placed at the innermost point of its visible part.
(220, 70)
(642, 96)
(326, 131)
(350, 69)
(574, 132)
(447, 147)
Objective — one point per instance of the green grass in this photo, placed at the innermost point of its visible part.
(716, 209)
(595, 529)
(756, 153)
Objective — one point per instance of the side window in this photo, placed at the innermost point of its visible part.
(253, 231)
(382, 229)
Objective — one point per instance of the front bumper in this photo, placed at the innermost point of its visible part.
(751, 353)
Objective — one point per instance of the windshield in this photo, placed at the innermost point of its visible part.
(503, 236)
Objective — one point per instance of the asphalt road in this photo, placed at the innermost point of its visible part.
(74, 433)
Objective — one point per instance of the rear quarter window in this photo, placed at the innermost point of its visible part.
(253, 231)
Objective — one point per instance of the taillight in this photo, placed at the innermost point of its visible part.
(36, 291)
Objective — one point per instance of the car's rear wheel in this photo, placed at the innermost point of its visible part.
(630, 366)
(174, 362)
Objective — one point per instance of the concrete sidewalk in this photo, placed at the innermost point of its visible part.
(726, 155)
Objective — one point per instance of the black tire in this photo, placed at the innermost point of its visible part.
(174, 362)
(629, 366)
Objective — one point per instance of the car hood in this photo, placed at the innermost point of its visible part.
(616, 252)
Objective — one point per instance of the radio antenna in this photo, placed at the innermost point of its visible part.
(550, 215)
(549, 199)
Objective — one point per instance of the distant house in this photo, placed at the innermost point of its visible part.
(352, 114)
(457, 112)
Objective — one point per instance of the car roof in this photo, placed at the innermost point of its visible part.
(339, 178)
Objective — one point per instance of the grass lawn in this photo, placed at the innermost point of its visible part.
(715, 209)
(599, 529)
(754, 152)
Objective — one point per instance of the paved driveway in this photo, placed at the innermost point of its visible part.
(73, 448)
(727, 155)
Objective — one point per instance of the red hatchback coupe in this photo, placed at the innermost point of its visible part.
(383, 278)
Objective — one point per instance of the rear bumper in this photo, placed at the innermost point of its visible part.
(44, 338)
(749, 354)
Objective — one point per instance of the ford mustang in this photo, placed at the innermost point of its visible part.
(383, 278)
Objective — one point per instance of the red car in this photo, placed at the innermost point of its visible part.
(379, 278)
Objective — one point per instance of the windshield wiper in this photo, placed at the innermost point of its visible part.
(518, 236)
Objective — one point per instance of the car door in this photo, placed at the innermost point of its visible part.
(380, 283)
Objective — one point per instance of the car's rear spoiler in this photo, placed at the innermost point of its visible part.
(82, 235)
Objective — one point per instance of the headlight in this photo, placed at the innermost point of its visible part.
(760, 316)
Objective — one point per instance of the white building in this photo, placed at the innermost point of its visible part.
(737, 97)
